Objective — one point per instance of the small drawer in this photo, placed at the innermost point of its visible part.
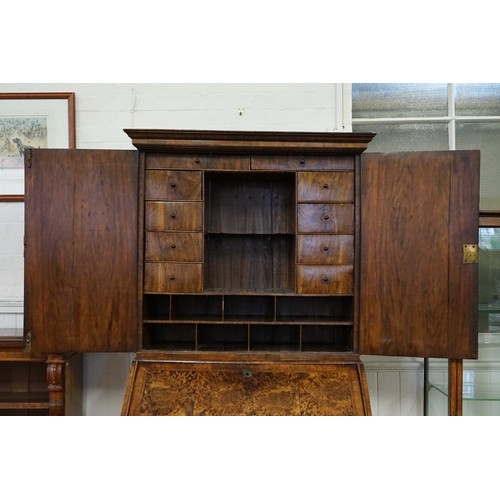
(298, 162)
(173, 185)
(196, 162)
(325, 279)
(325, 218)
(172, 277)
(329, 187)
(180, 247)
(174, 216)
(325, 249)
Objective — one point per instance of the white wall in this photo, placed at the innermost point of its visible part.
(104, 110)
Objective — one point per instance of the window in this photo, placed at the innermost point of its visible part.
(434, 116)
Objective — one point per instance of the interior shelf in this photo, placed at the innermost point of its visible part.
(24, 400)
(250, 203)
(250, 262)
(284, 309)
(23, 384)
(253, 320)
(248, 337)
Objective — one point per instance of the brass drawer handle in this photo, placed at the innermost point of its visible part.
(172, 245)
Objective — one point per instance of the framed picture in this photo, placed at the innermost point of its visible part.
(31, 120)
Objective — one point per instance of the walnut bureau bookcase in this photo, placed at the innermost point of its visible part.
(250, 270)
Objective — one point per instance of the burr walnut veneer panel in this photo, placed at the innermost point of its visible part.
(246, 387)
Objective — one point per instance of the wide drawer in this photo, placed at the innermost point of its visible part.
(325, 218)
(332, 187)
(180, 247)
(161, 277)
(196, 162)
(325, 249)
(173, 185)
(298, 162)
(174, 216)
(325, 279)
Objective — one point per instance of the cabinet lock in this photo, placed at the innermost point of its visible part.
(471, 255)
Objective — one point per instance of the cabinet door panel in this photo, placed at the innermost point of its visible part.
(418, 298)
(81, 250)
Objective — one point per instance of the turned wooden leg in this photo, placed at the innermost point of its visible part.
(455, 387)
(55, 382)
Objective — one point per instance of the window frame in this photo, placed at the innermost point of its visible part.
(487, 218)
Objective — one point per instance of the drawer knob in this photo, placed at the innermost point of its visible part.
(197, 160)
(172, 184)
(326, 217)
(246, 372)
(172, 277)
(302, 161)
(173, 216)
(172, 245)
(325, 248)
(325, 185)
(325, 279)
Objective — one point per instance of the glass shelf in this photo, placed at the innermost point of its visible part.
(489, 339)
(481, 377)
(490, 307)
(472, 391)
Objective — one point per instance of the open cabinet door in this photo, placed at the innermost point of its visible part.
(418, 297)
(81, 214)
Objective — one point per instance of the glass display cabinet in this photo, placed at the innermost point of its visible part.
(481, 378)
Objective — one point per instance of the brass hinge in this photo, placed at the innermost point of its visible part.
(27, 157)
(471, 255)
(27, 345)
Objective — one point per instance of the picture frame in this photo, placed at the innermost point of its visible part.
(31, 119)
